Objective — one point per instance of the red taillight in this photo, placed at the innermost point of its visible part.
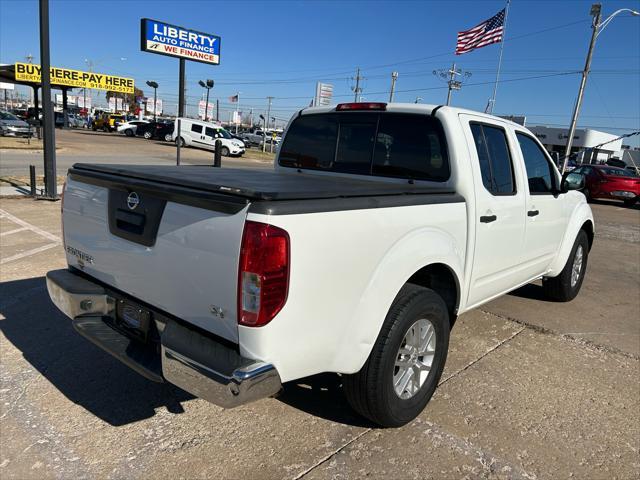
(361, 106)
(263, 274)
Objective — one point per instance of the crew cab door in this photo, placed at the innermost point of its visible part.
(499, 209)
(546, 216)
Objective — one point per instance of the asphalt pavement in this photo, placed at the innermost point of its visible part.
(532, 389)
(97, 147)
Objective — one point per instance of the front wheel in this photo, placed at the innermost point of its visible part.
(565, 287)
(180, 141)
(128, 132)
(147, 135)
(406, 362)
(224, 151)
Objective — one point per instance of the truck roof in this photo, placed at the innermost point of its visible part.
(416, 108)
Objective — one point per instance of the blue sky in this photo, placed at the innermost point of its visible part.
(282, 48)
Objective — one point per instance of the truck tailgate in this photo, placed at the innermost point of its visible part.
(176, 252)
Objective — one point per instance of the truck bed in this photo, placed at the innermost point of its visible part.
(256, 185)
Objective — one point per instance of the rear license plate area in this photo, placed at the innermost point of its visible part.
(133, 319)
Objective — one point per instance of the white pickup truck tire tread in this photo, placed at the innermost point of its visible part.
(371, 391)
(563, 288)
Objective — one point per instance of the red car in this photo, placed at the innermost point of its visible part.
(603, 181)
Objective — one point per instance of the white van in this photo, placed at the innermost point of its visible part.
(199, 134)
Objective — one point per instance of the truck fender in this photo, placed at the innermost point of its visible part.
(418, 249)
(580, 215)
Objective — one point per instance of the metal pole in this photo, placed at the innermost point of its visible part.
(495, 86)
(452, 74)
(268, 111)
(394, 77)
(206, 107)
(357, 89)
(181, 87)
(50, 187)
(32, 180)
(596, 12)
(155, 103)
(238, 111)
(178, 143)
(217, 110)
(65, 107)
(217, 154)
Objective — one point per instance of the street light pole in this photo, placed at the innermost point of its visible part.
(597, 26)
(49, 140)
(154, 85)
(208, 86)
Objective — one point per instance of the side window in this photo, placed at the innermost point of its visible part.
(495, 160)
(539, 171)
(210, 132)
(196, 128)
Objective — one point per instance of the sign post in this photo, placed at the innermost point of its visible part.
(50, 179)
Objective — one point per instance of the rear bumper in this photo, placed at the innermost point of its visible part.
(183, 356)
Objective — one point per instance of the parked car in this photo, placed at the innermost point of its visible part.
(200, 134)
(378, 227)
(238, 137)
(634, 170)
(129, 128)
(603, 181)
(267, 143)
(12, 126)
(253, 138)
(160, 130)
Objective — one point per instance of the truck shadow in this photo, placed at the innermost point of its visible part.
(78, 369)
(322, 396)
(532, 292)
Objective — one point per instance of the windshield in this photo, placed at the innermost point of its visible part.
(617, 172)
(367, 143)
(224, 134)
(8, 116)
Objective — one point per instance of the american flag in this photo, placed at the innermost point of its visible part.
(488, 32)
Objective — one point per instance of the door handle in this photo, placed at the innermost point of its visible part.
(488, 218)
(533, 213)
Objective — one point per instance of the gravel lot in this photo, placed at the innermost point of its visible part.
(532, 389)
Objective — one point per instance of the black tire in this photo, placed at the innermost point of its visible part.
(94, 128)
(224, 151)
(147, 135)
(180, 141)
(559, 288)
(371, 392)
(631, 202)
(128, 132)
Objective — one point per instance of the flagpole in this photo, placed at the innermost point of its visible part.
(237, 111)
(504, 34)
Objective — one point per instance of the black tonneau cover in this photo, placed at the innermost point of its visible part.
(258, 184)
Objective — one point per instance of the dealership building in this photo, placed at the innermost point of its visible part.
(591, 146)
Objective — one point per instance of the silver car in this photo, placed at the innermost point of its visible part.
(12, 126)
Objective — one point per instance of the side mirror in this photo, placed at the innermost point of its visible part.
(572, 181)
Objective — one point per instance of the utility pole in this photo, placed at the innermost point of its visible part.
(450, 77)
(50, 180)
(357, 90)
(596, 12)
(394, 77)
(269, 111)
(217, 110)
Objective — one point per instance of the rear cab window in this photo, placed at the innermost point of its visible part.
(384, 144)
(496, 165)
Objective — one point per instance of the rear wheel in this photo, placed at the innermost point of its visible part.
(587, 193)
(147, 135)
(167, 137)
(565, 287)
(406, 362)
(631, 202)
(180, 141)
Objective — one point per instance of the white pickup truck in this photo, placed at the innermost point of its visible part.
(379, 225)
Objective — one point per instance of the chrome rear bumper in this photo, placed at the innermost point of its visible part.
(187, 358)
